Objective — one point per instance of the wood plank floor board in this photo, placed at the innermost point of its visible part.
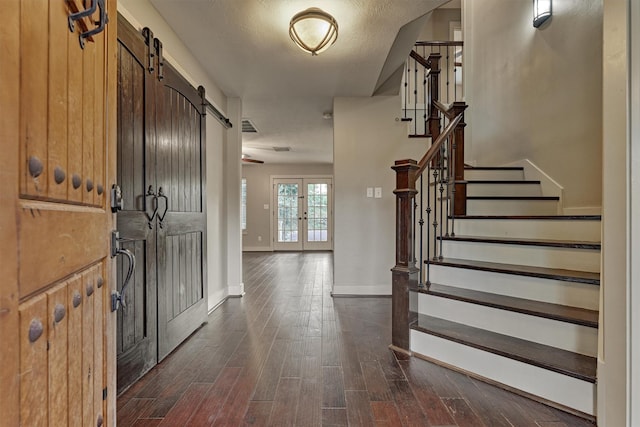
(385, 414)
(334, 417)
(258, 414)
(215, 397)
(333, 387)
(359, 411)
(287, 353)
(407, 404)
(188, 403)
(285, 402)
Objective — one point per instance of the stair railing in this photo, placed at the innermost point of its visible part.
(440, 171)
(433, 72)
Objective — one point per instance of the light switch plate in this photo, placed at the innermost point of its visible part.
(266, 207)
(369, 191)
(378, 192)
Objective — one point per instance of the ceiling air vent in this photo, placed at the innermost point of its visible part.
(248, 126)
(281, 148)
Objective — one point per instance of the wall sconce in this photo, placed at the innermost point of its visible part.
(313, 30)
(541, 12)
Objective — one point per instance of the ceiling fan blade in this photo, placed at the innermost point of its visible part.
(246, 160)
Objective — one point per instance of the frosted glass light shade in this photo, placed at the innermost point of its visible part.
(313, 30)
(541, 11)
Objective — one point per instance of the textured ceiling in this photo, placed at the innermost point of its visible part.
(245, 46)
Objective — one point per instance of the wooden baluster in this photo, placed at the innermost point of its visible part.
(405, 273)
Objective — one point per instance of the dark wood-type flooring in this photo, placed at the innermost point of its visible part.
(287, 353)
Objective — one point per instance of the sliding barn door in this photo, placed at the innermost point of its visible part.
(58, 163)
(180, 127)
(137, 325)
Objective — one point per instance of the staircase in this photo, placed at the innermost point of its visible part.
(514, 300)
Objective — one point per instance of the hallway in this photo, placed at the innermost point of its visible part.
(287, 353)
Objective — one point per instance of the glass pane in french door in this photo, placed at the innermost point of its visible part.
(317, 212)
(288, 212)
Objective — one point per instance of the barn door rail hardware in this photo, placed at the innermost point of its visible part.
(99, 25)
(117, 298)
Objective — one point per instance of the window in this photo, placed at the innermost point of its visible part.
(244, 204)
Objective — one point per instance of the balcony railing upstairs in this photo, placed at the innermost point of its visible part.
(433, 72)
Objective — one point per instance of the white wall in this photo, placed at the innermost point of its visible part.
(367, 141)
(437, 25)
(216, 222)
(222, 262)
(613, 401)
(536, 93)
(259, 194)
(233, 177)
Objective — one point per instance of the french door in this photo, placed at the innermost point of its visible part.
(302, 214)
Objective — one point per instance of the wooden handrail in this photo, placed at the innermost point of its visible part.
(440, 43)
(420, 59)
(435, 147)
(449, 113)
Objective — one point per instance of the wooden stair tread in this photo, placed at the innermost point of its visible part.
(554, 198)
(523, 270)
(420, 135)
(571, 244)
(575, 315)
(554, 359)
(542, 217)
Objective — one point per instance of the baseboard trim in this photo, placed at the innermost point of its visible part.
(220, 296)
(364, 290)
(400, 350)
(215, 307)
(236, 290)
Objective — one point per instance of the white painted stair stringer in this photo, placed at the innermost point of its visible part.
(539, 256)
(565, 390)
(553, 291)
(554, 333)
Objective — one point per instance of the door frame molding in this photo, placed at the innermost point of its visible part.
(272, 211)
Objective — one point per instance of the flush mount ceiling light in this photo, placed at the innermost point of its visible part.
(541, 12)
(313, 30)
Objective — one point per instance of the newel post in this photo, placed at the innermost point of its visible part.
(460, 204)
(434, 86)
(404, 274)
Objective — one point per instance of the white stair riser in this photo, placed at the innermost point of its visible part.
(588, 231)
(568, 391)
(493, 175)
(504, 190)
(539, 256)
(567, 336)
(512, 207)
(538, 289)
